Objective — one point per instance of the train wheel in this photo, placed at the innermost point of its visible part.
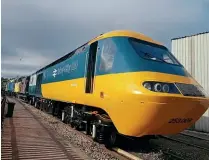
(94, 132)
(30, 102)
(35, 104)
(111, 140)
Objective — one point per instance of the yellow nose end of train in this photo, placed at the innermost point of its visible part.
(174, 117)
(170, 116)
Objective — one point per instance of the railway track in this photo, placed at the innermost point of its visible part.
(170, 154)
(184, 142)
(198, 137)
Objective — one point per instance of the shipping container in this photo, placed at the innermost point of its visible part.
(193, 52)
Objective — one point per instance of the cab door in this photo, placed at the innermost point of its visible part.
(90, 71)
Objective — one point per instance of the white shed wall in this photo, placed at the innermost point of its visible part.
(193, 53)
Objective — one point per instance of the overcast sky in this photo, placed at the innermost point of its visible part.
(37, 32)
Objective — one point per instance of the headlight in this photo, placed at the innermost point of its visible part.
(157, 87)
(148, 86)
(166, 88)
(161, 87)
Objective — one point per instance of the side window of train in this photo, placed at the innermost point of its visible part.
(107, 49)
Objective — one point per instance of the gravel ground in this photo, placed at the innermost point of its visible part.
(91, 148)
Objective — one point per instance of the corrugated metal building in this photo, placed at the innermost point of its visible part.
(193, 52)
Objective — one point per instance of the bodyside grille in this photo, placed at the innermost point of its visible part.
(189, 90)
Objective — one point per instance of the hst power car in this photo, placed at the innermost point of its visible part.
(120, 82)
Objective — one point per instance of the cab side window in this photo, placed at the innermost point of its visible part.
(107, 50)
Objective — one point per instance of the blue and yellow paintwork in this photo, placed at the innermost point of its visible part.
(17, 87)
(134, 110)
(10, 86)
